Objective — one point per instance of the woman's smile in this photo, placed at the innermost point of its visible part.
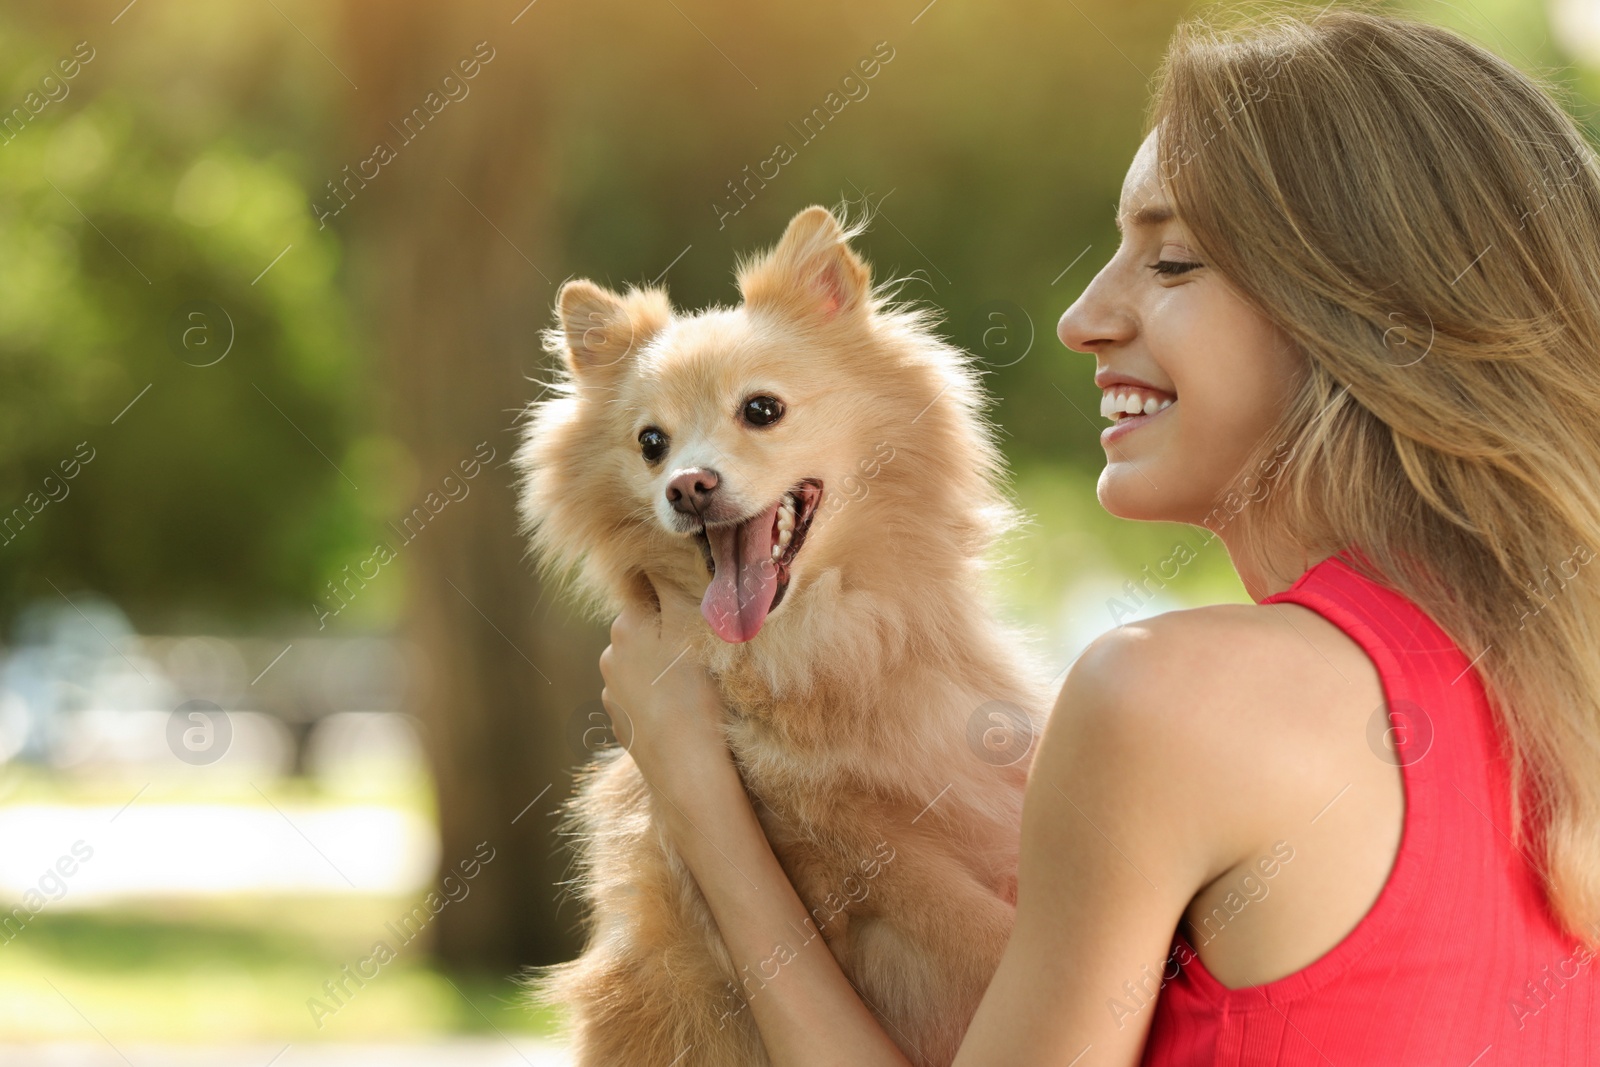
(1117, 406)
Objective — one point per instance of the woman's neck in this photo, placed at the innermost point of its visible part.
(1282, 562)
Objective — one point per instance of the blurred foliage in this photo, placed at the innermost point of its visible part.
(183, 158)
(236, 970)
(148, 185)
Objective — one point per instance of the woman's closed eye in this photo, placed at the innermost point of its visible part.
(1174, 266)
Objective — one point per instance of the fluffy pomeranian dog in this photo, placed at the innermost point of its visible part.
(814, 467)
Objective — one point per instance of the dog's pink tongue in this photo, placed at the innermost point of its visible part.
(741, 591)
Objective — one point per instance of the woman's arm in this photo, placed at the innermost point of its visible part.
(808, 1013)
(1117, 837)
(1133, 804)
(670, 720)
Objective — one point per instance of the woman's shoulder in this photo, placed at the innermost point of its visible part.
(1227, 656)
(1218, 716)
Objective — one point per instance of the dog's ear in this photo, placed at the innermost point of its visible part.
(813, 273)
(600, 331)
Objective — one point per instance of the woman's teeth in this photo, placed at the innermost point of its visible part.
(1113, 404)
(786, 520)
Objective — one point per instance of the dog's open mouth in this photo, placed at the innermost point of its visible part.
(749, 561)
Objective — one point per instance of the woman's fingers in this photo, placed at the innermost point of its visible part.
(648, 673)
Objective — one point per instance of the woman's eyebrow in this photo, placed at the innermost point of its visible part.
(1149, 215)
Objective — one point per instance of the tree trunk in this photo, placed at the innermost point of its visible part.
(452, 260)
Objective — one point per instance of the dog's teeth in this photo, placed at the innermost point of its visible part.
(787, 508)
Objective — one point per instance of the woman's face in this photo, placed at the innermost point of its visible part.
(1170, 337)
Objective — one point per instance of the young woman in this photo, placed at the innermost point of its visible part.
(1357, 821)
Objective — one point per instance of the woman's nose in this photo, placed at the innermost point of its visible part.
(1096, 318)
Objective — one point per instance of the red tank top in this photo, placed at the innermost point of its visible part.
(1459, 962)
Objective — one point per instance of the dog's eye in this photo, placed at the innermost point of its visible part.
(652, 443)
(763, 410)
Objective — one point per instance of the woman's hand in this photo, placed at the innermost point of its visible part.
(663, 704)
(668, 714)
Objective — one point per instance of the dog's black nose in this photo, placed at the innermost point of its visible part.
(690, 490)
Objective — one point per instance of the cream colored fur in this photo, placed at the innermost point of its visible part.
(852, 711)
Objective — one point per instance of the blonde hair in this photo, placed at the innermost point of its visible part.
(1423, 221)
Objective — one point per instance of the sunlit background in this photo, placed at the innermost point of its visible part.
(276, 681)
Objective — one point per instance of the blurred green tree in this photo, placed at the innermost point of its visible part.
(141, 325)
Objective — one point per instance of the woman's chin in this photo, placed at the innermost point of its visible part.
(1131, 493)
